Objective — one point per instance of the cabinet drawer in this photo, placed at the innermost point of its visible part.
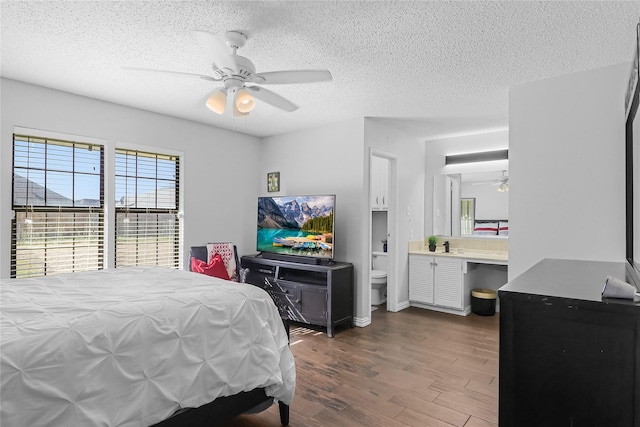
(255, 268)
(306, 303)
(283, 296)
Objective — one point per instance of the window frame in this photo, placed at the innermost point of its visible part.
(147, 152)
(45, 210)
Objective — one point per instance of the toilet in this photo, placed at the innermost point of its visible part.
(378, 278)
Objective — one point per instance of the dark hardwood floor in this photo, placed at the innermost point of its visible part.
(412, 368)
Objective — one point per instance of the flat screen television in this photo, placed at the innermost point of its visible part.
(632, 153)
(296, 227)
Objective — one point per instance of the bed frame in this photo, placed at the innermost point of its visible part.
(225, 409)
(485, 221)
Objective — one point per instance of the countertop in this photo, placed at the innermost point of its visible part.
(467, 254)
(569, 279)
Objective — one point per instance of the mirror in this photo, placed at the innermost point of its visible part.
(632, 173)
(635, 150)
(489, 191)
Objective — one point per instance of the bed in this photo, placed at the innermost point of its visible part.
(491, 227)
(137, 347)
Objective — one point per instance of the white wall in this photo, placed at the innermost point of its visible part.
(220, 172)
(566, 155)
(437, 149)
(406, 209)
(342, 152)
(324, 160)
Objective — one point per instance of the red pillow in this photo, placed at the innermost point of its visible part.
(215, 268)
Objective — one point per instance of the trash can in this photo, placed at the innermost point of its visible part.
(483, 302)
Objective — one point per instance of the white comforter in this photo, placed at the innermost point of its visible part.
(128, 347)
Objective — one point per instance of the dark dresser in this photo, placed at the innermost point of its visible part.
(567, 356)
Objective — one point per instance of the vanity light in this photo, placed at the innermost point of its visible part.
(503, 187)
(485, 156)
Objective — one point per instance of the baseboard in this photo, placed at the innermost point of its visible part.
(464, 312)
(400, 306)
(361, 322)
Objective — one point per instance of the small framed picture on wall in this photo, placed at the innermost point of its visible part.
(273, 182)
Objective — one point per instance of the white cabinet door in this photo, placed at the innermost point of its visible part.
(379, 183)
(421, 278)
(384, 183)
(448, 283)
(374, 181)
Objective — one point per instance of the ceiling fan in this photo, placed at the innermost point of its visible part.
(240, 82)
(501, 182)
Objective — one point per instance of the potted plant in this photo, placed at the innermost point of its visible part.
(384, 245)
(433, 240)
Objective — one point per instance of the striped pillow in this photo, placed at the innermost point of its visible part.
(503, 229)
(485, 229)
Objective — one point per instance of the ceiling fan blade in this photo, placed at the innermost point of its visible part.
(272, 98)
(292, 76)
(178, 73)
(215, 46)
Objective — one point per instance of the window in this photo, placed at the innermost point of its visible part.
(58, 200)
(467, 216)
(147, 225)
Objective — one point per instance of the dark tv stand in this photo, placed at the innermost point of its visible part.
(305, 293)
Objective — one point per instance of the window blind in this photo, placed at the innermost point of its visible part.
(147, 224)
(58, 201)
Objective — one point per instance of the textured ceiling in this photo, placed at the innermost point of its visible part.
(430, 68)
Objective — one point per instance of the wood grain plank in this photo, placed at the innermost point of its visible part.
(412, 368)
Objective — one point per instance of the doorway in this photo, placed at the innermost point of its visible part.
(382, 247)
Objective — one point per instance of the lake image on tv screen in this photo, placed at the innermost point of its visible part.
(296, 225)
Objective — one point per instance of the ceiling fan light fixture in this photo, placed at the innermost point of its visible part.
(217, 102)
(244, 101)
(503, 187)
(237, 113)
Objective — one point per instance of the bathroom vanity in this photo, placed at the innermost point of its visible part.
(443, 281)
